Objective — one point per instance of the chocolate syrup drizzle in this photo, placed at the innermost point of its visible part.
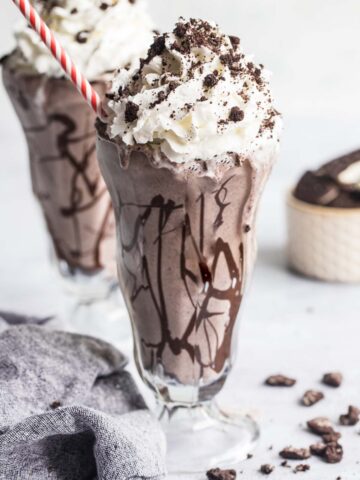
(86, 193)
(74, 199)
(203, 277)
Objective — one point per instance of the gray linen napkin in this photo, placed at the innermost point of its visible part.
(69, 411)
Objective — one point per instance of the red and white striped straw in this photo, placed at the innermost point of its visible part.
(69, 67)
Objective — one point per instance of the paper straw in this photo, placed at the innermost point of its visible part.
(69, 67)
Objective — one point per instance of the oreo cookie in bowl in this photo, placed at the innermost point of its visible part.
(324, 221)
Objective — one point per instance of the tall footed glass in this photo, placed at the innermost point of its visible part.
(66, 180)
(186, 247)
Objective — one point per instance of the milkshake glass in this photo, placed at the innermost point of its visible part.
(60, 134)
(188, 145)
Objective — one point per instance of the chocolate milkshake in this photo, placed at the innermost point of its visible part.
(190, 140)
(59, 126)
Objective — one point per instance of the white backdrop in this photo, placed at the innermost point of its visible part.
(313, 48)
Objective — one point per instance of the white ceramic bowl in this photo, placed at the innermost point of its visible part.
(324, 242)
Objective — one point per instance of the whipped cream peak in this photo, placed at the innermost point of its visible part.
(99, 35)
(196, 99)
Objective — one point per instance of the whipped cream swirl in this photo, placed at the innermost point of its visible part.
(99, 35)
(196, 98)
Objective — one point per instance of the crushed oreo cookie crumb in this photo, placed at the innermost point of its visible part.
(351, 418)
(157, 47)
(180, 30)
(311, 397)
(235, 41)
(333, 379)
(333, 453)
(266, 469)
(56, 404)
(210, 80)
(303, 467)
(131, 112)
(291, 453)
(236, 114)
(331, 437)
(318, 449)
(82, 37)
(320, 425)
(218, 474)
(280, 381)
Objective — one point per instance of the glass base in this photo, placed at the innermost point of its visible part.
(204, 437)
(107, 319)
(87, 287)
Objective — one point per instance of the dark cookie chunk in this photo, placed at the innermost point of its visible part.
(318, 449)
(291, 453)
(311, 397)
(218, 474)
(334, 168)
(55, 405)
(351, 418)
(316, 190)
(331, 437)
(303, 467)
(210, 80)
(285, 464)
(266, 469)
(333, 379)
(236, 114)
(320, 425)
(131, 112)
(333, 453)
(280, 381)
(180, 30)
(235, 41)
(157, 47)
(82, 37)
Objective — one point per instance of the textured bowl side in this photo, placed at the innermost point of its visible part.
(324, 242)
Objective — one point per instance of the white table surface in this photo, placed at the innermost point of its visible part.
(290, 324)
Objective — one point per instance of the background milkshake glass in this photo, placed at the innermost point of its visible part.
(188, 145)
(59, 128)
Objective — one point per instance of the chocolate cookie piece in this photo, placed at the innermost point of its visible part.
(351, 418)
(318, 449)
(316, 190)
(331, 437)
(280, 381)
(336, 184)
(337, 167)
(267, 469)
(333, 453)
(333, 379)
(311, 397)
(218, 474)
(320, 425)
(291, 453)
(303, 467)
